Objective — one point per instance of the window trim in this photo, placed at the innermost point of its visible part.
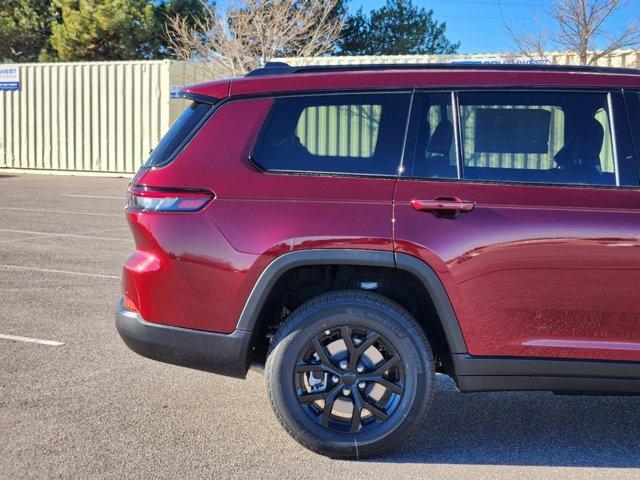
(274, 171)
(457, 133)
(614, 118)
(405, 137)
(615, 146)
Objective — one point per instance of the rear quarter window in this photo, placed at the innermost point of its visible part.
(179, 134)
(359, 134)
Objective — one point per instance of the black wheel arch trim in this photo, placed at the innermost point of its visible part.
(439, 296)
(270, 275)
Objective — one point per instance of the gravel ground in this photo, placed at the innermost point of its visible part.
(90, 408)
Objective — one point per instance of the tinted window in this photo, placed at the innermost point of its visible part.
(339, 130)
(537, 137)
(434, 153)
(178, 134)
(633, 108)
(348, 133)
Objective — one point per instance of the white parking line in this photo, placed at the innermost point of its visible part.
(18, 338)
(62, 211)
(92, 196)
(49, 270)
(66, 235)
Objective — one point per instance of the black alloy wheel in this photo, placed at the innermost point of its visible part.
(354, 388)
(350, 373)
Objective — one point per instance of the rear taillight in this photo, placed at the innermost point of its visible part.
(167, 199)
(129, 304)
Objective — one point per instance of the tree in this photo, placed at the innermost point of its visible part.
(24, 29)
(103, 30)
(397, 28)
(191, 10)
(581, 27)
(246, 35)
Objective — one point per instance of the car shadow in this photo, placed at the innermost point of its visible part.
(4, 175)
(526, 428)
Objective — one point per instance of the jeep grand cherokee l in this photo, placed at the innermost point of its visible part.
(357, 229)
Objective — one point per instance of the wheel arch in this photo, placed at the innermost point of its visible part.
(439, 296)
(250, 316)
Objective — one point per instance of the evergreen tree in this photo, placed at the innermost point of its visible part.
(397, 28)
(115, 29)
(24, 29)
(103, 30)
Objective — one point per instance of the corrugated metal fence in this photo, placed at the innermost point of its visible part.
(90, 117)
(106, 116)
(619, 58)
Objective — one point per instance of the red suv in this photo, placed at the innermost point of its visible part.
(355, 230)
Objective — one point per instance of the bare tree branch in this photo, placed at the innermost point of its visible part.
(581, 29)
(247, 34)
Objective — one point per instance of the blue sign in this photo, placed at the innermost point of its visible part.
(9, 78)
(176, 92)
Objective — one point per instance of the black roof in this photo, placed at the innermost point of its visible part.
(281, 68)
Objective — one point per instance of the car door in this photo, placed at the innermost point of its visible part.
(526, 204)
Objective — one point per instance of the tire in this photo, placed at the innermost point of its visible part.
(301, 380)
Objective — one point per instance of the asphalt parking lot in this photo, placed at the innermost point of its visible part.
(90, 408)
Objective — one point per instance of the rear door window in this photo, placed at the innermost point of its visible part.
(360, 134)
(633, 108)
(541, 137)
(179, 134)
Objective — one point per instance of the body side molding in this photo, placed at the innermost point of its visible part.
(483, 374)
(470, 366)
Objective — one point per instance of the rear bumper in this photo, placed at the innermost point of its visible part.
(212, 352)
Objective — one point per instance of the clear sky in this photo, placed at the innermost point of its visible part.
(478, 24)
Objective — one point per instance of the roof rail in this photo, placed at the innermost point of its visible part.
(282, 68)
(272, 68)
